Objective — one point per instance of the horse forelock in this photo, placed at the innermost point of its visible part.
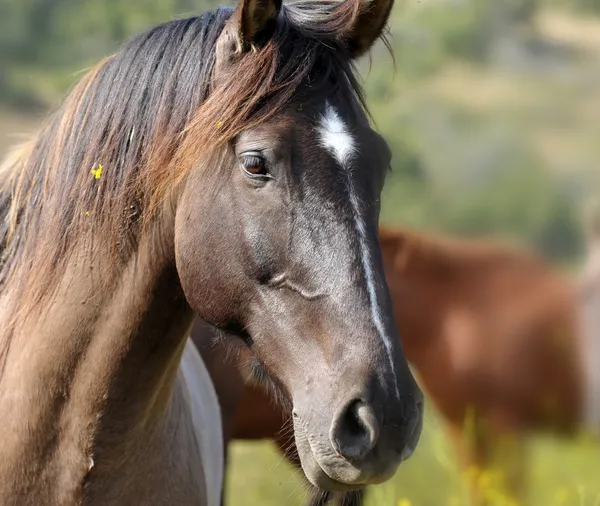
(132, 129)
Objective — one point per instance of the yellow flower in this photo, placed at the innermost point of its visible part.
(471, 473)
(97, 172)
(219, 124)
(561, 495)
(87, 213)
(487, 479)
(404, 502)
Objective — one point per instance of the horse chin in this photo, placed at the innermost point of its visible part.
(319, 477)
(328, 471)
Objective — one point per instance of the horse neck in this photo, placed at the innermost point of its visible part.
(87, 388)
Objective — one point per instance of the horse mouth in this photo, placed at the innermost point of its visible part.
(326, 482)
(328, 471)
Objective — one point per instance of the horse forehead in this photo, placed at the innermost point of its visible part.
(335, 136)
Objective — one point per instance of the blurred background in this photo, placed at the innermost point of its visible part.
(492, 113)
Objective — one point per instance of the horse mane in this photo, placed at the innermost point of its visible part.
(106, 164)
(442, 253)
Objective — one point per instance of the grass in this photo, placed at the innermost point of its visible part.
(562, 473)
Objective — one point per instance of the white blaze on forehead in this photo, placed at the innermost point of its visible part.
(336, 138)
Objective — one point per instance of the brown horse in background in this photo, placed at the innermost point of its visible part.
(492, 332)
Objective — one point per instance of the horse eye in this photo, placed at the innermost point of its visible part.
(255, 165)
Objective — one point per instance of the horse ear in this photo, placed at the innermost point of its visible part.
(257, 20)
(368, 26)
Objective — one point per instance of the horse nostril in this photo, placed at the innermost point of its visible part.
(354, 430)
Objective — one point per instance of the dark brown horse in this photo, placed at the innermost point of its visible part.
(222, 166)
(493, 334)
